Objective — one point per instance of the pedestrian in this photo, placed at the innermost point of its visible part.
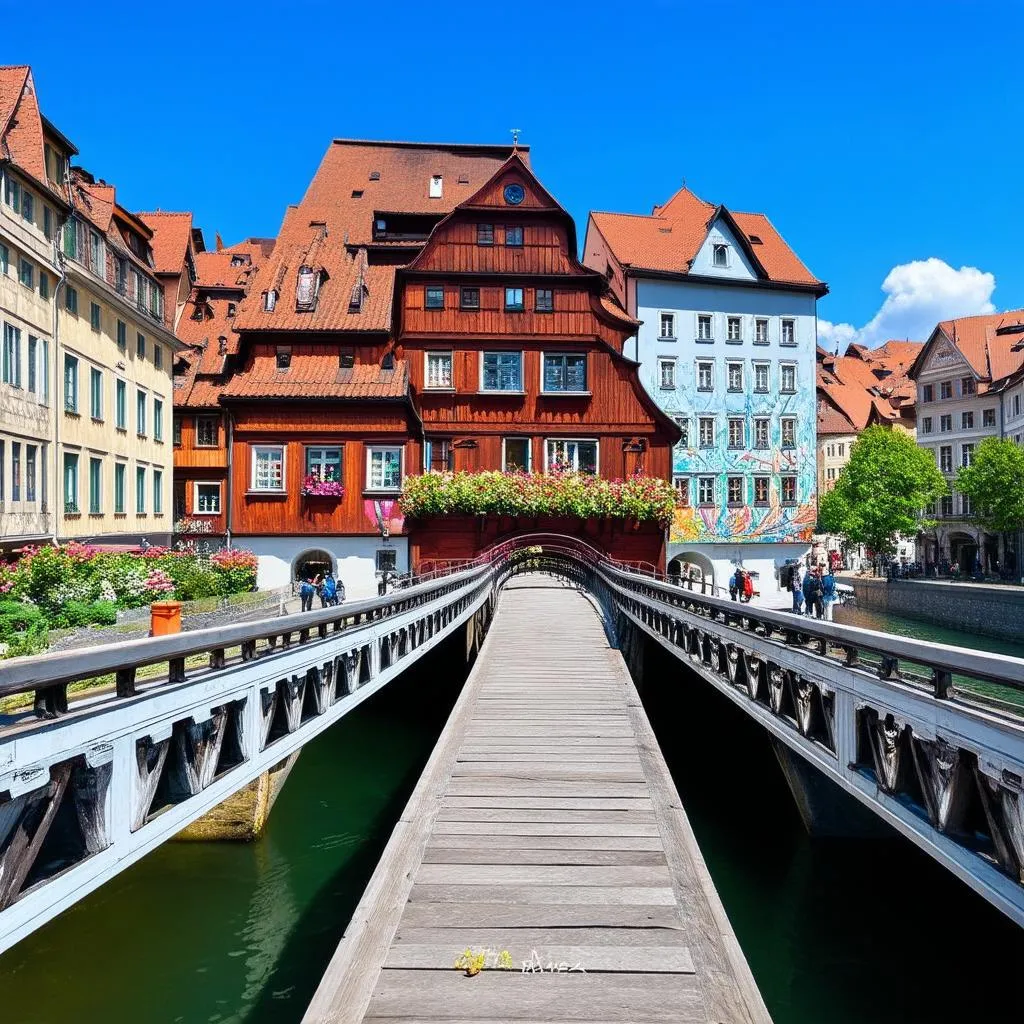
(748, 588)
(813, 594)
(809, 592)
(339, 591)
(796, 584)
(829, 594)
(306, 592)
(329, 591)
(734, 585)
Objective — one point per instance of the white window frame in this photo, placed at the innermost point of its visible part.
(763, 364)
(577, 440)
(529, 452)
(435, 354)
(730, 364)
(700, 428)
(256, 449)
(782, 332)
(661, 335)
(729, 318)
(742, 421)
(697, 365)
(782, 378)
(371, 450)
(195, 497)
(668, 362)
(722, 247)
(503, 352)
(767, 330)
(696, 328)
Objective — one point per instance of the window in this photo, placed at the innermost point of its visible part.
(121, 405)
(720, 255)
(1016, 405)
(788, 424)
(206, 500)
(95, 394)
(760, 490)
(30, 472)
(966, 454)
(946, 423)
(71, 300)
(545, 300)
(15, 471)
(736, 432)
(501, 371)
(140, 346)
(439, 370)
(966, 507)
(469, 298)
(733, 329)
(438, 454)
(830, 473)
(667, 374)
(684, 432)
(761, 378)
(140, 490)
(513, 236)
(12, 356)
(12, 193)
(564, 373)
(95, 316)
(788, 378)
(515, 456)
(571, 456)
(386, 560)
(928, 393)
(269, 300)
(95, 252)
(831, 450)
(485, 234)
(70, 483)
(47, 223)
(946, 505)
(968, 386)
(682, 486)
(158, 492)
(158, 420)
(140, 413)
(513, 300)
(158, 356)
(946, 389)
(706, 431)
(788, 490)
(70, 383)
(761, 431)
(967, 421)
(706, 490)
(176, 431)
(44, 285)
(384, 469)
(946, 458)
(71, 239)
(268, 468)
(434, 298)
(734, 490)
(761, 331)
(26, 273)
(705, 375)
(95, 486)
(27, 204)
(119, 488)
(735, 372)
(122, 335)
(33, 363)
(926, 425)
(788, 332)
(206, 431)
(988, 417)
(667, 330)
(324, 464)
(842, 450)
(5, 259)
(704, 327)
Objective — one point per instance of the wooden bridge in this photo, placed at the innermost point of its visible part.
(545, 837)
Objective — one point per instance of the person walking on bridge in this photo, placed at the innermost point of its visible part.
(796, 584)
(306, 592)
(829, 594)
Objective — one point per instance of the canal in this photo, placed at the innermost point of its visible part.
(841, 932)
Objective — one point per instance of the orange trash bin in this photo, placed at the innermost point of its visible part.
(164, 618)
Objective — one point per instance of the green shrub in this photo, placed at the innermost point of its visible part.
(85, 613)
(16, 617)
(33, 641)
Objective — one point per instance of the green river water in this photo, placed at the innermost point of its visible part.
(837, 932)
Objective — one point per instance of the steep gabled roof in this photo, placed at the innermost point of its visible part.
(986, 342)
(311, 375)
(172, 235)
(669, 239)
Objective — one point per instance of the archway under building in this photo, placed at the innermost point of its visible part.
(693, 566)
(963, 550)
(312, 563)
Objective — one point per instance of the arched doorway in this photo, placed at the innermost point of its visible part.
(963, 549)
(312, 563)
(694, 567)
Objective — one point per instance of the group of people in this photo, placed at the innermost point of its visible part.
(330, 591)
(814, 591)
(741, 585)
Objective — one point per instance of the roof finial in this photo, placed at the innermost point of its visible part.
(684, 183)
(515, 138)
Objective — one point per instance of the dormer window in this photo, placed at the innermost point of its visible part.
(197, 313)
(269, 300)
(436, 186)
(357, 193)
(346, 359)
(374, 175)
(284, 357)
(231, 309)
(237, 261)
(222, 345)
(720, 255)
(307, 286)
(388, 362)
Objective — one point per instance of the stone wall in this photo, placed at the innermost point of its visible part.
(991, 610)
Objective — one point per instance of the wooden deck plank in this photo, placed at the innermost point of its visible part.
(440, 956)
(488, 914)
(540, 875)
(489, 855)
(538, 938)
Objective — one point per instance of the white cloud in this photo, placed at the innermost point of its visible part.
(917, 296)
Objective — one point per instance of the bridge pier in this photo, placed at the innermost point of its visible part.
(244, 815)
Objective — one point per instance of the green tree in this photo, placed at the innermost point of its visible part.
(881, 491)
(994, 481)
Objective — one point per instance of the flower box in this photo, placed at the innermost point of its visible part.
(313, 487)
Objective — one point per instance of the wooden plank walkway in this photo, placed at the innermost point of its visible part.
(545, 824)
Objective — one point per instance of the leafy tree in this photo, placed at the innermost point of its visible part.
(881, 491)
(994, 481)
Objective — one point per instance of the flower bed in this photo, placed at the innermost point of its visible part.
(580, 496)
(77, 585)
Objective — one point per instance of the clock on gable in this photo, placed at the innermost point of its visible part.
(514, 194)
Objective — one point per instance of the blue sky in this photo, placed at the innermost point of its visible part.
(875, 135)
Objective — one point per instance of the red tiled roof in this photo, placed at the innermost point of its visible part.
(831, 419)
(327, 229)
(670, 238)
(317, 376)
(257, 248)
(978, 340)
(214, 270)
(21, 124)
(172, 233)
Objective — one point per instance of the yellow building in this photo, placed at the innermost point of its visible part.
(114, 431)
(34, 201)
